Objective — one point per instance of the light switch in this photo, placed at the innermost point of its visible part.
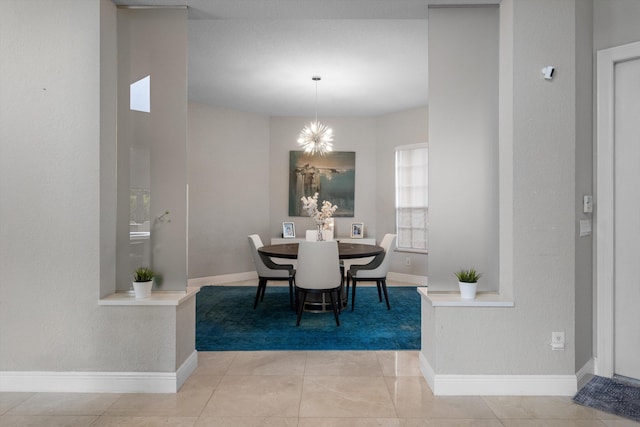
(587, 204)
(585, 227)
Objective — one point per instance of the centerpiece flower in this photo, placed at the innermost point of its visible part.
(320, 216)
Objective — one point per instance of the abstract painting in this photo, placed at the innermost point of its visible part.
(333, 176)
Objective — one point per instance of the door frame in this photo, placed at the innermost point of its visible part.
(604, 215)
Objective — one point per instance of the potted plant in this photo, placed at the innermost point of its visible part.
(468, 282)
(142, 282)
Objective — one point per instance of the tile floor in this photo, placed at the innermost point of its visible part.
(298, 389)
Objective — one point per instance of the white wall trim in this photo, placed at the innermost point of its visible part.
(606, 60)
(407, 278)
(584, 374)
(186, 369)
(427, 371)
(252, 275)
(98, 382)
(222, 279)
(497, 385)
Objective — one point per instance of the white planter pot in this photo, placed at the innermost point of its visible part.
(142, 290)
(468, 290)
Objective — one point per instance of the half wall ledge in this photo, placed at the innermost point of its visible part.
(157, 298)
(435, 347)
(452, 299)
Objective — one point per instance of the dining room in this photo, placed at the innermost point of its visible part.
(239, 156)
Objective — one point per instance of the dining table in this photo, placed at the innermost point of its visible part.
(345, 251)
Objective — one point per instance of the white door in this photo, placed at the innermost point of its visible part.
(617, 211)
(626, 178)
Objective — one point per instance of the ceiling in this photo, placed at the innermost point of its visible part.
(259, 55)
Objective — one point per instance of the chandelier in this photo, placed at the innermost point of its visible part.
(316, 137)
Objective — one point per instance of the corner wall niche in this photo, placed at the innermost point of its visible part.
(152, 146)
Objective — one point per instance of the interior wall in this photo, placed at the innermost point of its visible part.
(584, 182)
(517, 340)
(50, 205)
(229, 195)
(393, 130)
(49, 179)
(153, 42)
(463, 145)
(615, 22)
(544, 178)
(108, 146)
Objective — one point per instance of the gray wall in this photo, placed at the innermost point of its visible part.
(463, 145)
(153, 42)
(615, 22)
(239, 181)
(51, 208)
(393, 130)
(229, 196)
(542, 137)
(584, 182)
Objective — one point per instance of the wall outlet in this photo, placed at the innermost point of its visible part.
(557, 340)
(407, 261)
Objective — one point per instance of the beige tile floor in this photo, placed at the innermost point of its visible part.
(298, 389)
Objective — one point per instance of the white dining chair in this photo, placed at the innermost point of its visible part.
(269, 270)
(318, 273)
(375, 271)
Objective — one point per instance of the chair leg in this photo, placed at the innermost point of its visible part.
(379, 290)
(347, 290)
(353, 294)
(262, 283)
(293, 307)
(301, 302)
(264, 288)
(386, 296)
(333, 306)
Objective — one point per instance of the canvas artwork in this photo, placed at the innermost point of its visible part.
(332, 176)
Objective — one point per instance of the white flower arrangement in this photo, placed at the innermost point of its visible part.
(310, 204)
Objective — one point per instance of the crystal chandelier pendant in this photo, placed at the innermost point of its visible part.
(316, 137)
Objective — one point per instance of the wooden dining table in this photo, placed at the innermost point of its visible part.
(345, 251)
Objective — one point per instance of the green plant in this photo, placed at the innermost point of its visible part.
(143, 274)
(468, 276)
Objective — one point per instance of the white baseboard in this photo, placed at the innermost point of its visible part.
(98, 382)
(222, 279)
(186, 369)
(407, 278)
(585, 373)
(497, 385)
(252, 275)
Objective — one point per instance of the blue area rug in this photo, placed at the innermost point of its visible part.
(611, 396)
(226, 320)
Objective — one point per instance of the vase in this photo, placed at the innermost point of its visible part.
(142, 290)
(468, 290)
(320, 229)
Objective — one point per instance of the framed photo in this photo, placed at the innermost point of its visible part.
(357, 230)
(288, 230)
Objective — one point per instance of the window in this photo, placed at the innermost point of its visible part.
(411, 197)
